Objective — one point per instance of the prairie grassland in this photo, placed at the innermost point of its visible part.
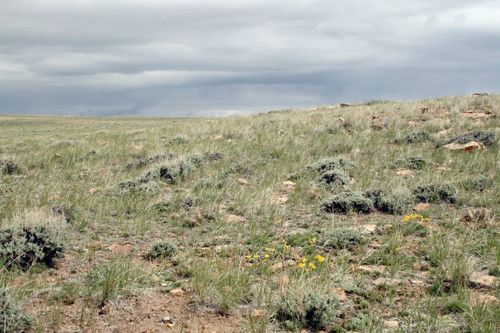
(326, 219)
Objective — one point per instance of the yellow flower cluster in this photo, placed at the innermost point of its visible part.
(268, 251)
(307, 265)
(417, 218)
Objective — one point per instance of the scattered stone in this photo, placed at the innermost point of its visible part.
(371, 269)
(279, 198)
(259, 313)
(121, 249)
(477, 214)
(482, 280)
(168, 321)
(176, 292)
(277, 267)
(243, 181)
(467, 147)
(232, 218)
(480, 299)
(104, 310)
(392, 324)
(475, 115)
(418, 283)
(421, 207)
(289, 186)
(340, 294)
(368, 228)
(405, 173)
(387, 282)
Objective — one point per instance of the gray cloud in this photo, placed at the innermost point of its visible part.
(218, 57)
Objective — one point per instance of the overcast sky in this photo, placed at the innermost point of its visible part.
(195, 57)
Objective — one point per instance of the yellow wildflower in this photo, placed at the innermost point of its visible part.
(411, 217)
(301, 265)
(312, 265)
(304, 260)
(319, 258)
(312, 241)
(256, 256)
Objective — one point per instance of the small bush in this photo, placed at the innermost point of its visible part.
(348, 202)
(341, 238)
(140, 163)
(433, 193)
(334, 178)
(8, 167)
(12, 319)
(487, 138)
(326, 164)
(479, 183)
(27, 246)
(387, 203)
(311, 310)
(172, 172)
(136, 187)
(178, 140)
(215, 156)
(417, 137)
(413, 163)
(161, 249)
(64, 211)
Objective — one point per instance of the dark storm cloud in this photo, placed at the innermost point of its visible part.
(220, 57)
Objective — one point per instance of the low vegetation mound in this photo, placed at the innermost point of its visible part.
(341, 238)
(8, 167)
(412, 163)
(160, 250)
(348, 202)
(334, 178)
(325, 164)
(387, 203)
(26, 246)
(487, 138)
(416, 137)
(12, 318)
(433, 193)
(312, 310)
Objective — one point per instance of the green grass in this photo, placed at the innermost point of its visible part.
(206, 199)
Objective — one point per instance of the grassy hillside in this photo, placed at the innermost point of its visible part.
(327, 219)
